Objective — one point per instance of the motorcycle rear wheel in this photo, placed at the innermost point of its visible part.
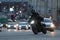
(44, 31)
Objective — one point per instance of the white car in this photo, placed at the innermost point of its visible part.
(12, 25)
(24, 25)
(1, 25)
(49, 24)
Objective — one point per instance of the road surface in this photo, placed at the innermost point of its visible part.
(28, 35)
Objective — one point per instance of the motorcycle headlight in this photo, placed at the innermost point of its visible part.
(32, 22)
(52, 25)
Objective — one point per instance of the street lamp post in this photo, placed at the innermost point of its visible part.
(57, 12)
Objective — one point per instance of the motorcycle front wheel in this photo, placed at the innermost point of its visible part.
(34, 29)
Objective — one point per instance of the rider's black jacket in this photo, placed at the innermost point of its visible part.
(37, 17)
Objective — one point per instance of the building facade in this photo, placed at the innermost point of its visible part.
(46, 8)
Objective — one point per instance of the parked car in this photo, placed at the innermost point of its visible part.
(49, 24)
(3, 20)
(1, 25)
(24, 25)
(12, 25)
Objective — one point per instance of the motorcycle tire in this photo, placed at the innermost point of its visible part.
(34, 29)
(44, 31)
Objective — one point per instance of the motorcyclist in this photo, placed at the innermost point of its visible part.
(37, 17)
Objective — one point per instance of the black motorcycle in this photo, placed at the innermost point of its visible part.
(37, 27)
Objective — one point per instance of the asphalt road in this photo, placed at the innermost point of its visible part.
(28, 35)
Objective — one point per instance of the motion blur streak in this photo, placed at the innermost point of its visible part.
(28, 30)
(52, 34)
(9, 30)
